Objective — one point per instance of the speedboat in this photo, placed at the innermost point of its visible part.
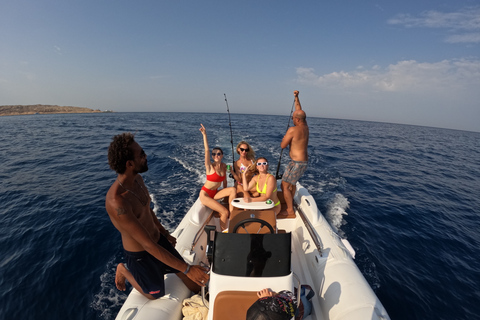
(261, 251)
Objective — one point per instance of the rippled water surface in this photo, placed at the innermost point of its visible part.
(405, 197)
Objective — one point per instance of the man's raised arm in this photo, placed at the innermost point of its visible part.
(298, 106)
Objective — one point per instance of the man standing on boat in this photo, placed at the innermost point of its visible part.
(297, 138)
(149, 247)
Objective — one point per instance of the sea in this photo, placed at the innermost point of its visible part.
(406, 197)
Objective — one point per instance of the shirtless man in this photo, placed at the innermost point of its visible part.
(149, 247)
(297, 138)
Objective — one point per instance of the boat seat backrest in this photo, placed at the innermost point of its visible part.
(236, 293)
(233, 305)
(252, 255)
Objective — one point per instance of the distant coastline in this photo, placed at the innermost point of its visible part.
(15, 110)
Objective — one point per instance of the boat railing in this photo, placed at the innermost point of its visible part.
(200, 231)
(315, 238)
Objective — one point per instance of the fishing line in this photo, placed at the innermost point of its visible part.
(277, 176)
(231, 135)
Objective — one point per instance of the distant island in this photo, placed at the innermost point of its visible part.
(42, 109)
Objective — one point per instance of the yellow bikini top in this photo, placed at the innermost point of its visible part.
(264, 186)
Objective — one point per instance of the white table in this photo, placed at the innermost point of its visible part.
(263, 205)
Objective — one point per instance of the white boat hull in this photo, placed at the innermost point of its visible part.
(342, 293)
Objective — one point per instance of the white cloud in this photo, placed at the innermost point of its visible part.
(404, 76)
(464, 20)
(464, 38)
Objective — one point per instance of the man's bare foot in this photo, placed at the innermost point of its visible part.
(282, 214)
(290, 212)
(120, 277)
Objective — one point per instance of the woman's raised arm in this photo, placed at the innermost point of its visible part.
(246, 185)
(205, 144)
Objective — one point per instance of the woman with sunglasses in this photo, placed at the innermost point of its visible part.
(216, 175)
(264, 183)
(247, 158)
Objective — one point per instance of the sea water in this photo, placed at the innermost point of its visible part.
(406, 197)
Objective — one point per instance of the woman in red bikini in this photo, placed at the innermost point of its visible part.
(216, 174)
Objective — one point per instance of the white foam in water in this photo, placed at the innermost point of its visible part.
(195, 169)
(109, 300)
(336, 210)
(314, 186)
(166, 217)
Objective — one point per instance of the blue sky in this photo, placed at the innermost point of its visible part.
(412, 62)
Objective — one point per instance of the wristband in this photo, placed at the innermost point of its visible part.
(188, 269)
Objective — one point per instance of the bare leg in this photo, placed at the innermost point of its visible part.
(277, 209)
(122, 275)
(214, 205)
(189, 282)
(294, 189)
(232, 194)
(239, 191)
(287, 189)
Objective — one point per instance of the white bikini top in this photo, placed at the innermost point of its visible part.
(243, 168)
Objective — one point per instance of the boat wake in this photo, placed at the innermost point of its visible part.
(336, 210)
(108, 301)
(195, 170)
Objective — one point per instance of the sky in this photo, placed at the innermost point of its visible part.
(410, 62)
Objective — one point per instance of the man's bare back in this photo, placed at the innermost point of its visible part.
(297, 139)
(297, 136)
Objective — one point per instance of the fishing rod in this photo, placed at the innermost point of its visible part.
(277, 176)
(231, 134)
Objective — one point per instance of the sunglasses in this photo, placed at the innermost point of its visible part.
(246, 150)
(262, 163)
(216, 154)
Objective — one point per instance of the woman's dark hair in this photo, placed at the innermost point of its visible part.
(258, 311)
(217, 148)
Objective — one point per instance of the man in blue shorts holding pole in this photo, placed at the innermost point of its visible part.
(297, 138)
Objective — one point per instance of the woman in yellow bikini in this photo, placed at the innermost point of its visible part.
(264, 183)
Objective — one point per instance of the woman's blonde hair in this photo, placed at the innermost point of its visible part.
(266, 160)
(250, 153)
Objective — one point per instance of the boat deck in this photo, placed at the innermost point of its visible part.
(318, 258)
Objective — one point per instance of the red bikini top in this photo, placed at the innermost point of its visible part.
(214, 177)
